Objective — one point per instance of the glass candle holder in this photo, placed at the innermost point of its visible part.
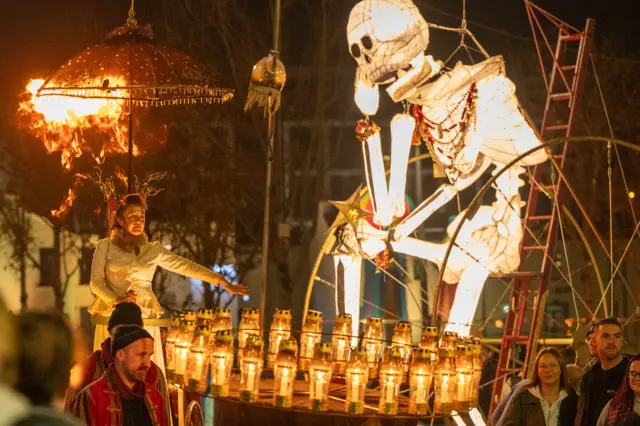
(181, 352)
(198, 360)
(280, 330)
(249, 326)
(221, 321)
(390, 380)
(204, 317)
(464, 376)
(284, 371)
(357, 377)
(444, 382)
(429, 341)
(189, 316)
(476, 352)
(341, 342)
(401, 339)
(310, 336)
(221, 363)
(170, 347)
(251, 368)
(319, 377)
(420, 380)
(449, 340)
(372, 342)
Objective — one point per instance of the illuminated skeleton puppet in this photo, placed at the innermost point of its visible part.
(470, 119)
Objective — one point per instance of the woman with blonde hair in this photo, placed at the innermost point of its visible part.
(549, 400)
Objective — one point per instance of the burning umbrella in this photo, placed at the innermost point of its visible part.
(102, 87)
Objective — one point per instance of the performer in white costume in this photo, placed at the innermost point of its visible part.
(124, 265)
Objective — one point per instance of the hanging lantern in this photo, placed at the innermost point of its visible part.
(357, 377)
(280, 331)
(284, 370)
(311, 335)
(390, 380)
(198, 360)
(204, 317)
(444, 381)
(449, 340)
(341, 343)
(251, 368)
(181, 352)
(420, 382)
(401, 339)
(372, 341)
(221, 363)
(170, 346)
(221, 321)
(476, 353)
(249, 326)
(464, 375)
(267, 81)
(320, 377)
(429, 340)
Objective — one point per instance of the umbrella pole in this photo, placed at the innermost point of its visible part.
(264, 270)
(130, 174)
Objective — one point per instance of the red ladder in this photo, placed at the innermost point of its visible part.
(564, 83)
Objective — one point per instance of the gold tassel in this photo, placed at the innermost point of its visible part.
(264, 97)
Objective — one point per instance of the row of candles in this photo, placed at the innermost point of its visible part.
(447, 368)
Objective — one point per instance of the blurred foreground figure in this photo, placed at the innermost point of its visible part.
(12, 405)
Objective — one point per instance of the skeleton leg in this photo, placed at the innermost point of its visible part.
(466, 300)
(376, 179)
(348, 288)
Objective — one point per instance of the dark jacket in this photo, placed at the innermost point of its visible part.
(526, 410)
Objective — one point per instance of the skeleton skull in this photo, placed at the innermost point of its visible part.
(384, 36)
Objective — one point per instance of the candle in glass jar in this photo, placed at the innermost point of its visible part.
(251, 377)
(284, 382)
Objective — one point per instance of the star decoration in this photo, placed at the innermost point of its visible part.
(349, 209)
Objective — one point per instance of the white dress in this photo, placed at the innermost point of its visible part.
(117, 269)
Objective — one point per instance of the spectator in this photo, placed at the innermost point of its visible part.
(624, 408)
(13, 406)
(548, 400)
(94, 367)
(602, 380)
(574, 375)
(122, 388)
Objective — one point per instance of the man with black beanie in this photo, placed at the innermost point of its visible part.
(122, 397)
(94, 367)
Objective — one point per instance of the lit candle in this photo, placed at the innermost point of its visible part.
(446, 397)
(284, 383)
(197, 373)
(251, 377)
(461, 387)
(420, 391)
(319, 385)
(220, 374)
(355, 384)
(181, 362)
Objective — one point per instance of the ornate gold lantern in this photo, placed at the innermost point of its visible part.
(341, 343)
(198, 360)
(476, 352)
(221, 363)
(401, 339)
(320, 377)
(249, 326)
(464, 375)
(311, 335)
(204, 317)
(251, 368)
(449, 340)
(280, 331)
(357, 377)
(390, 380)
(420, 380)
(181, 352)
(170, 346)
(221, 321)
(372, 342)
(284, 370)
(189, 316)
(444, 382)
(429, 340)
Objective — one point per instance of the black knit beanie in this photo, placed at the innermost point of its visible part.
(125, 313)
(126, 335)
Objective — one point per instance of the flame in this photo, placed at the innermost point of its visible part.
(67, 203)
(74, 125)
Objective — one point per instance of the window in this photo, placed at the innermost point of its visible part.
(86, 258)
(47, 266)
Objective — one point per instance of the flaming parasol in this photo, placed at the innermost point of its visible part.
(102, 87)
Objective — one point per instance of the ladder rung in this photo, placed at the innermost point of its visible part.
(572, 37)
(568, 68)
(558, 156)
(530, 248)
(560, 96)
(556, 127)
(545, 188)
(519, 274)
(540, 217)
(516, 338)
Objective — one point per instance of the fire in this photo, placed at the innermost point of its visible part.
(75, 125)
(66, 205)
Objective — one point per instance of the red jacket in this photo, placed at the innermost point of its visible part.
(100, 403)
(94, 367)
